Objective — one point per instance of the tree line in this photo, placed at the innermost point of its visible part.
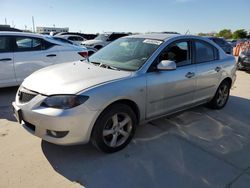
(228, 34)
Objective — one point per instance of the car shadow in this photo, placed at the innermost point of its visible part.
(7, 96)
(176, 151)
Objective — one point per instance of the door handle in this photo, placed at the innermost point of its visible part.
(190, 74)
(6, 59)
(51, 55)
(217, 69)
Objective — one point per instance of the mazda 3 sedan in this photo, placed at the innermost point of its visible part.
(133, 80)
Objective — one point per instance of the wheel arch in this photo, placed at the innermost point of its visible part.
(227, 79)
(129, 103)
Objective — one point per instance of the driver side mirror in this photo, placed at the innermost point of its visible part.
(166, 65)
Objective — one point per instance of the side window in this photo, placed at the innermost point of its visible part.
(179, 52)
(204, 52)
(5, 44)
(79, 39)
(75, 38)
(28, 44)
(72, 38)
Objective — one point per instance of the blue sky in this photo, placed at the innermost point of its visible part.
(93, 16)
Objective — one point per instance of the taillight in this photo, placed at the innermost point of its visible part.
(83, 54)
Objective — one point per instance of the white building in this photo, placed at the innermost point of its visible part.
(51, 29)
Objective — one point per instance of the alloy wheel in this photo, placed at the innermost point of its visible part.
(223, 93)
(117, 130)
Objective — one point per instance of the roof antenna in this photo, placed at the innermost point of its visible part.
(187, 32)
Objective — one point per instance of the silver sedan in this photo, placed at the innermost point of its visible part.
(131, 81)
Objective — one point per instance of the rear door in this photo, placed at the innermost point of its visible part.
(208, 70)
(31, 54)
(7, 73)
(171, 90)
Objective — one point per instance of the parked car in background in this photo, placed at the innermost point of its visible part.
(23, 53)
(103, 39)
(63, 40)
(222, 43)
(232, 42)
(75, 39)
(140, 78)
(87, 36)
(244, 60)
(89, 49)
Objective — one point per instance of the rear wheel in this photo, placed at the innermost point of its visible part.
(221, 97)
(114, 128)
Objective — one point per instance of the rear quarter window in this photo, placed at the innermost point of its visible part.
(47, 45)
(205, 52)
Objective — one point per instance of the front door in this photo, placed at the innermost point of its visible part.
(171, 90)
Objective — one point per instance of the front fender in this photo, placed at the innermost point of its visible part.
(133, 89)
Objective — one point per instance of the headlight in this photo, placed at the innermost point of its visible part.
(64, 101)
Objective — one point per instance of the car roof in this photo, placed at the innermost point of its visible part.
(155, 36)
(110, 33)
(22, 34)
(70, 35)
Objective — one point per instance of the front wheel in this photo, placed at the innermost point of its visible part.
(221, 96)
(114, 128)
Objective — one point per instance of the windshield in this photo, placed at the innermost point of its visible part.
(102, 37)
(126, 53)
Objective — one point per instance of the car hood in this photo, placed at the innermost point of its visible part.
(91, 42)
(70, 78)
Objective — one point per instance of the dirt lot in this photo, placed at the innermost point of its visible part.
(197, 148)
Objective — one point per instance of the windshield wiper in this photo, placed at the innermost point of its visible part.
(104, 65)
(95, 63)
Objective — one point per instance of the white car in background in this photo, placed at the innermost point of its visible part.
(23, 53)
(75, 39)
(103, 39)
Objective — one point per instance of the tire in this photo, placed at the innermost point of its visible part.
(114, 128)
(221, 96)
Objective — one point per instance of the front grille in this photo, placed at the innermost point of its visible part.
(25, 97)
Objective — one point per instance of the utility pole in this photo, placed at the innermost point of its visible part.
(5, 21)
(187, 32)
(33, 23)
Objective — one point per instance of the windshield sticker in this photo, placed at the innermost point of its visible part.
(150, 41)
